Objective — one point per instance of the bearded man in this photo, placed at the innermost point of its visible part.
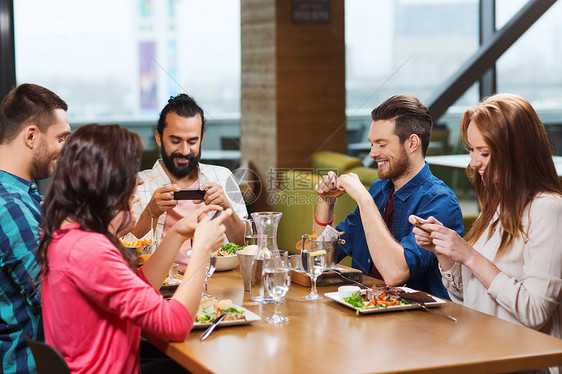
(179, 134)
(377, 234)
(33, 129)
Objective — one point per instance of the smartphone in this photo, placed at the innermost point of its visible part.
(189, 194)
(420, 225)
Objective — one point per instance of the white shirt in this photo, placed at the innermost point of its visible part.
(156, 177)
(528, 290)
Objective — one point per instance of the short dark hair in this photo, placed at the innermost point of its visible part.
(183, 105)
(28, 103)
(410, 117)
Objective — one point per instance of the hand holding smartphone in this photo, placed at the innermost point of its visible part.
(418, 223)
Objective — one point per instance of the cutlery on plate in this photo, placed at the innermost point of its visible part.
(422, 304)
(337, 271)
(210, 329)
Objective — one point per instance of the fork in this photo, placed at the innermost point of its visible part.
(338, 272)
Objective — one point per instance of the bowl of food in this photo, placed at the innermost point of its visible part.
(227, 258)
(136, 246)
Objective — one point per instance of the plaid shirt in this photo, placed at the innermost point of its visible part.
(20, 299)
(156, 177)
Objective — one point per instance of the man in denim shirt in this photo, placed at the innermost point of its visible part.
(377, 234)
(33, 129)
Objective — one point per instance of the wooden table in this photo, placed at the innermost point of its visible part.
(324, 336)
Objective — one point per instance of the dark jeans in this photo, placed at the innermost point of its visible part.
(153, 361)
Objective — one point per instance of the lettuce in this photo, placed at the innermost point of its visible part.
(355, 299)
(231, 248)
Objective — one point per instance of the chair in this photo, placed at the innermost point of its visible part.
(47, 359)
(468, 221)
(439, 142)
(149, 157)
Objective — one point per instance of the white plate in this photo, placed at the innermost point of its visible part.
(392, 308)
(250, 318)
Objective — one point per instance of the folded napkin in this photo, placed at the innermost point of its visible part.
(329, 234)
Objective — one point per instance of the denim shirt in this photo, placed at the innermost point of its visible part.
(424, 195)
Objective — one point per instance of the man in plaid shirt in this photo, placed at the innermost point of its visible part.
(33, 129)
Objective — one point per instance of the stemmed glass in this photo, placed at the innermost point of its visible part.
(276, 280)
(313, 262)
(210, 270)
(172, 274)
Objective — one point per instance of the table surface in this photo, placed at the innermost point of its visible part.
(462, 161)
(324, 336)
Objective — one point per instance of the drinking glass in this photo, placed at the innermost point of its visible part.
(172, 274)
(250, 232)
(276, 280)
(313, 262)
(210, 270)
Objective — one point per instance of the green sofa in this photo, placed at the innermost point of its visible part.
(296, 198)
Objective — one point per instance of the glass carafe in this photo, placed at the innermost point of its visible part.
(266, 224)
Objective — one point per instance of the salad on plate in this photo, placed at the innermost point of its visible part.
(211, 308)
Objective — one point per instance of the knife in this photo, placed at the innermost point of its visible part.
(210, 329)
(422, 304)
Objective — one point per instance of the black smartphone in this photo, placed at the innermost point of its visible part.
(189, 194)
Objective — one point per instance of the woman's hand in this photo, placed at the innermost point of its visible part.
(186, 226)
(422, 233)
(209, 234)
(444, 242)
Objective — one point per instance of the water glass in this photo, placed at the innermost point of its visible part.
(313, 262)
(250, 232)
(210, 271)
(172, 273)
(276, 280)
(295, 262)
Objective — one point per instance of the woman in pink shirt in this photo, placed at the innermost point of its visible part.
(95, 302)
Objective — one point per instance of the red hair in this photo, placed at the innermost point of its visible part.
(520, 165)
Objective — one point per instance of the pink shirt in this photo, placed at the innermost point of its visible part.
(94, 305)
(184, 208)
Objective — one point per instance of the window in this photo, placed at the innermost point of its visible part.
(120, 61)
(532, 66)
(415, 46)
(405, 46)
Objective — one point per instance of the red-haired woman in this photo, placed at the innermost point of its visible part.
(94, 301)
(510, 263)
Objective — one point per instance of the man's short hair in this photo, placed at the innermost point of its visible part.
(410, 117)
(183, 105)
(25, 104)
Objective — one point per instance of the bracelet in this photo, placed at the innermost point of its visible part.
(321, 223)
